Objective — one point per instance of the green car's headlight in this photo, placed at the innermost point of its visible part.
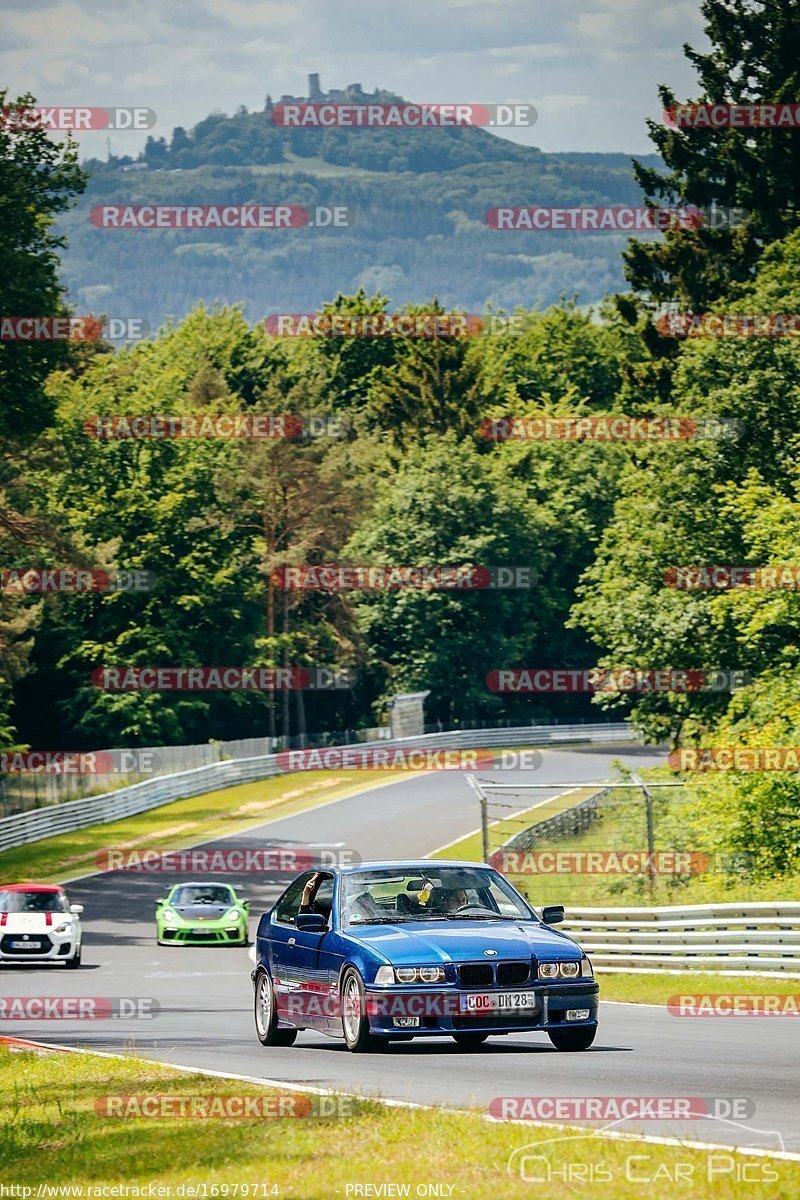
(170, 917)
(233, 915)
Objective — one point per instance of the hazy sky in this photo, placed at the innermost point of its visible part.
(589, 66)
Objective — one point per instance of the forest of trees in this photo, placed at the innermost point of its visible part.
(410, 480)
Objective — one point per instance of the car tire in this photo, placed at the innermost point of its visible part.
(74, 962)
(355, 1024)
(470, 1041)
(266, 1014)
(573, 1039)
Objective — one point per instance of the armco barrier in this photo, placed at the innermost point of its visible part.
(710, 937)
(572, 822)
(26, 827)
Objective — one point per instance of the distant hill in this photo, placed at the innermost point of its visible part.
(418, 198)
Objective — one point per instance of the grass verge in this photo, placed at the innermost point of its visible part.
(658, 989)
(52, 1134)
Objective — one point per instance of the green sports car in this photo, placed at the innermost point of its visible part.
(202, 912)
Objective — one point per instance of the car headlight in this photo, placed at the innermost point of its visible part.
(233, 915)
(410, 975)
(170, 917)
(586, 969)
(559, 970)
(64, 927)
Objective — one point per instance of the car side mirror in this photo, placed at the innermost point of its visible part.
(160, 902)
(245, 904)
(311, 922)
(553, 914)
(76, 908)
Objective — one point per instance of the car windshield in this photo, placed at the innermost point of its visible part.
(201, 894)
(435, 894)
(32, 902)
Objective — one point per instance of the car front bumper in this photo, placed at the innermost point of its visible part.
(48, 947)
(437, 1010)
(217, 935)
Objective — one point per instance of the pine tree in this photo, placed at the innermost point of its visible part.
(755, 50)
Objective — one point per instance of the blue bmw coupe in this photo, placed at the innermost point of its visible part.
(395, 950)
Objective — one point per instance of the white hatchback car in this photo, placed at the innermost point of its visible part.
(38, 924)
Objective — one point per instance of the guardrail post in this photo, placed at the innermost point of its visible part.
(648, 802)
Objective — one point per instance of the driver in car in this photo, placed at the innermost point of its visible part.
(448, 900)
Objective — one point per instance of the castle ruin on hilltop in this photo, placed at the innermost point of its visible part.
(352, 94)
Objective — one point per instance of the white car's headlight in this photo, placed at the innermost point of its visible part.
(64, 927)
(559, 970)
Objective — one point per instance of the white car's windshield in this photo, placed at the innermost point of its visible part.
(439, 893)
(32, 902)
(205, 894)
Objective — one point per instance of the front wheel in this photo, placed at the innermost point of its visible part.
(470, 1041)
(266, 1015)
(573, 1039)
(74, 962)
(355, 1022)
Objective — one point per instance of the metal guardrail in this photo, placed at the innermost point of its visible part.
(714, 937)
(26, 827)
(572, 822)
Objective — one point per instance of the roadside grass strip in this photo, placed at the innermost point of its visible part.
(54, 1133)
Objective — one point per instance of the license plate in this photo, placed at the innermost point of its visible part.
(199, 931)
(497, 1002)
(26, 945)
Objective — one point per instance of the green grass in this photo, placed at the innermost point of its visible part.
(50, 1133)
(657, 989)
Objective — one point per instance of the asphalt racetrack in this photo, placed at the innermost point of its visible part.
(205, 993)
